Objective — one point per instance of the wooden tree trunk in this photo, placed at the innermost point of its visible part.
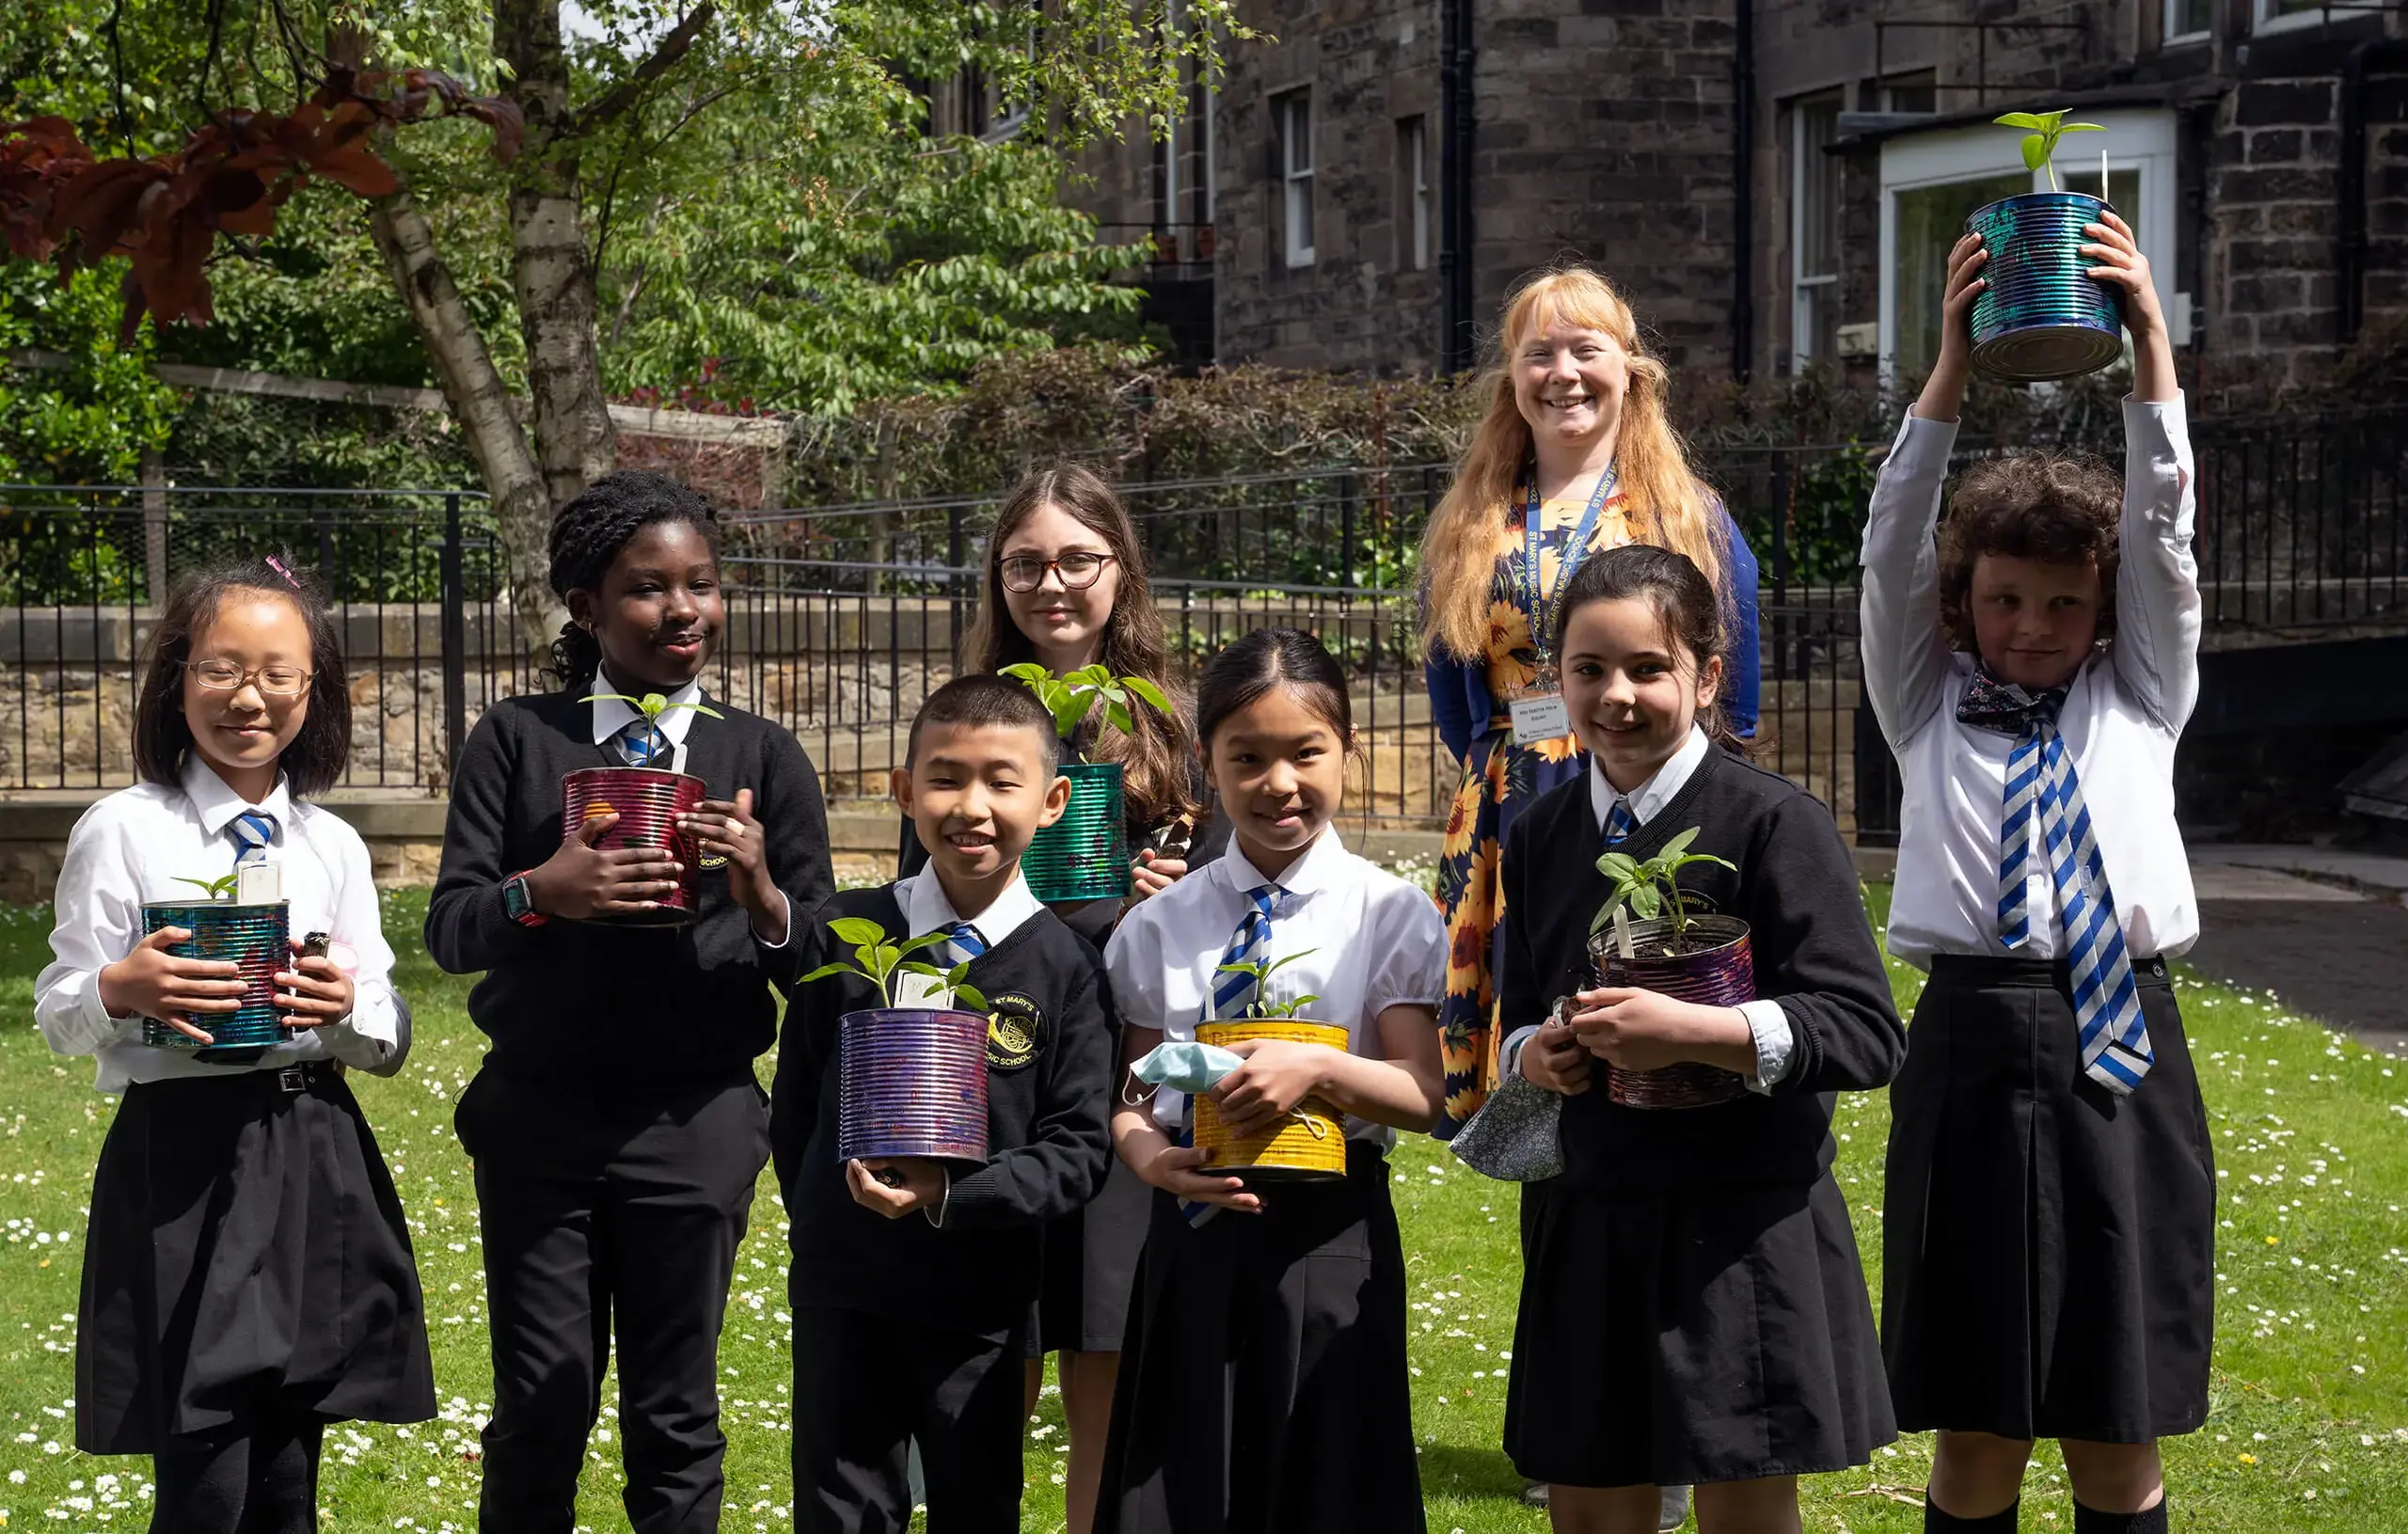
(549, 267)
(521, 504)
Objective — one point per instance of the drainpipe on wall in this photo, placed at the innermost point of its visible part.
(2371, 54)
(1743, 192)
(1454, 186)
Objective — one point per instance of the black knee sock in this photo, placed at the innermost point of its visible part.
(201, 1486)
(2092, 1521)
(1937, 1522)
(282, 1498)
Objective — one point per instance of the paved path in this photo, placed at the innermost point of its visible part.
(2333, 944)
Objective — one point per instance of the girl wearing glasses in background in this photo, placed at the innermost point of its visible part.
(1065, 587)
(247, 1278)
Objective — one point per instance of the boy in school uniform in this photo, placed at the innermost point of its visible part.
(913, 1279)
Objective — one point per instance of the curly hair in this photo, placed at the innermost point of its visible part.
(2053, 507)
(588, 533)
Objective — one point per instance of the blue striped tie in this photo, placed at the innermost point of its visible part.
(1620, 823)
(2042, 787)
(964, 942)
(251, 831)
(1234, 993)
(640, 742)
(1231, 995)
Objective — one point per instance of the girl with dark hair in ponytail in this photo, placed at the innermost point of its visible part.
(616, 1125)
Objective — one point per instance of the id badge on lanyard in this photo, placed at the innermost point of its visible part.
(1538, 711)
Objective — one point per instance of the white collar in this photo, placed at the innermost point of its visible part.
(925, 910)
(1309, 872)
(1651, 796)
(218, 804)
(611, 716)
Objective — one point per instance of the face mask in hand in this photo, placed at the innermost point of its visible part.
(1185, 1066)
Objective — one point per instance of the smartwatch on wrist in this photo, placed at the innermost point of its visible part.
(519, 902)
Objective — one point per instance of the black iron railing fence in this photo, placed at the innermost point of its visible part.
(840, 618)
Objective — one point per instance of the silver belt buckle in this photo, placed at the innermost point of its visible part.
(293, 1078)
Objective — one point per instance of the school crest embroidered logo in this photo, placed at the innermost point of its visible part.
(1015, 1031)
(711, 860)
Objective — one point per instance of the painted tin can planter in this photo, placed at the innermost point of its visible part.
(253, 937)
(1720, 972)
(2043, 317)
(648, 801)
(1084, 855)
(911, 1081)
(1309, 1144)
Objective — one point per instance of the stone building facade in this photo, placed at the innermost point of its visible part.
(1770, 181)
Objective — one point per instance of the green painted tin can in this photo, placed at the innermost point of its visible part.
(1084, 855)
(250, 936)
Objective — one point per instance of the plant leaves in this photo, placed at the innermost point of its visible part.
(1618, 866)
(1152, 695)
(1646, 902)
(858, 930)
(827, 970)
(2083, 128)
(1678, 845)
(971, 994)
(925, 940)
(2020, 120)
(1119, 714)
(2035, 151)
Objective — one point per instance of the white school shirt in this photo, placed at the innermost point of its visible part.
(2120, 722)
(1775, 1043)
(133, 847)
(1372, 942)
(611, 716)
(927, 908)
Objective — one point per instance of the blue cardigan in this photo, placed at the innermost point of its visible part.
(1460, 703)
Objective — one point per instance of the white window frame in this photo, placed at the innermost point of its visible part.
(2145, 140)
(1416, 247)
(2172, 34)
(2264, 18)
(1296, 181)
(1801, 285)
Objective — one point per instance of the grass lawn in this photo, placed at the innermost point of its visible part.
(2309, 1427)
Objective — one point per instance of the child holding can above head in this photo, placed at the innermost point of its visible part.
(1263, 1384)
(1693, 1309)
(2047, 1268)
(616, 1125)
(913, 1273)
(247, 1274)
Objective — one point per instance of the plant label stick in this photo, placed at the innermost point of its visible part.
(259, 884)
(1622, 933)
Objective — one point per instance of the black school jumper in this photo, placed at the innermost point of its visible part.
(616, 1125)
(1693, 1308)
(907, 1329)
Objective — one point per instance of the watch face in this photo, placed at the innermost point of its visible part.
(514, 898)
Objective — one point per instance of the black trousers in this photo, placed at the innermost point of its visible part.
(606, 1213)
(263, 1481)
(865, 1387)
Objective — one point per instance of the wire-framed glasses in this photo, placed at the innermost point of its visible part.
(225, 676)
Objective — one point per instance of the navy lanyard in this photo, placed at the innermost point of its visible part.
(1533, 534)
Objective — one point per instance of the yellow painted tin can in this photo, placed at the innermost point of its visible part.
(1310, 1143)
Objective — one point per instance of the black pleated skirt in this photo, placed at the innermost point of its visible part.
(1091, 1268)
(1263, 1387)
(2049, 1250)
(246, 1252)
(1674, 1336)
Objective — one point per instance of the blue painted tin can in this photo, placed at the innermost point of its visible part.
(2043, 317)
(252, 938)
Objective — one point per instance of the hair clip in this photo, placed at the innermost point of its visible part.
(277, 565)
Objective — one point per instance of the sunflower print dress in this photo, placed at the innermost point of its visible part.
(1502, 776)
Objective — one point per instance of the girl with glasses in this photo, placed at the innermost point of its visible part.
(247, 1275)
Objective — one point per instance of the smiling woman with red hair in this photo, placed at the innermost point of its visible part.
(1576, 425)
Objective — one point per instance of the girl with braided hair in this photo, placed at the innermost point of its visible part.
(615, 1166)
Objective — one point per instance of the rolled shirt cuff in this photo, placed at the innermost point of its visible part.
(1776, 1046)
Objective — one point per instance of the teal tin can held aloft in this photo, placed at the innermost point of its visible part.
(2043, 317)
(254, 939)
(1084, 855)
